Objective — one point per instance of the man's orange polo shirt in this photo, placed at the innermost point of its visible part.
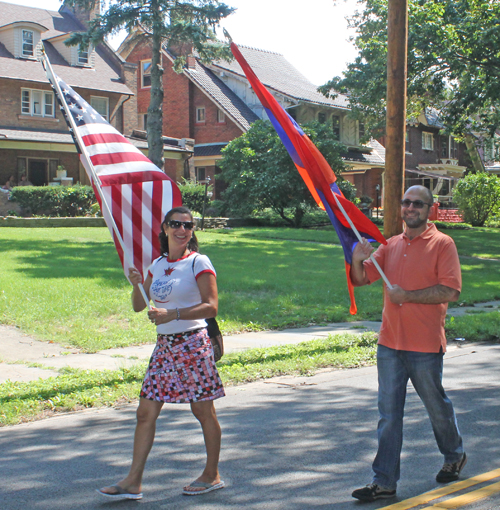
(427, 260)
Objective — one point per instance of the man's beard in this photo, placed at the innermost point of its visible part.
(415, 221)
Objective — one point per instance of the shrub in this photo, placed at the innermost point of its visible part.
(451, 225)
(348, 189)
(61, 201)
(216, 209)
(193, 195)
(477, 196)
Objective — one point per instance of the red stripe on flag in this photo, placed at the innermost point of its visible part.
(113, 158)
(116, 212)
(157, 214)
(97, 138)
(137, 233)
(133, 177)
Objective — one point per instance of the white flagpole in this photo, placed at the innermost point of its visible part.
(355, 230)
(95, 178)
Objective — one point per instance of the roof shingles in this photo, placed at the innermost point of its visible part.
(104, 76)
(276, 72)
(222, 95)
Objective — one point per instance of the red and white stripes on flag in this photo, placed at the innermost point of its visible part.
(136, 192)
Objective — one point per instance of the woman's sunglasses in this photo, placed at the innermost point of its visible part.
(188, 225)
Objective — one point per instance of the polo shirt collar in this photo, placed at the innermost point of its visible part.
(426, 234)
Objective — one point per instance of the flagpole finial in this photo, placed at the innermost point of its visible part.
(226, 35)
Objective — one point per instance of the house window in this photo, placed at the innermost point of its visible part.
(83, 56)
(53, 164)
(200, 114)
(146, 73)
(453, 148)
(27, 43)
(100, 105)
(200, 173)
(221, 117)
(336, 127)
(444, 147)
(37, 103)
(361, 130)
(427, 141)
(321, 117)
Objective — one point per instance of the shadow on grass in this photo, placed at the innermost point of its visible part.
(66, 385)
(303, 350)
(62, 259)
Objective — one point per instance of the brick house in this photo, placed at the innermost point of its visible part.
(213, 104)
(34, 138)
(432, 158)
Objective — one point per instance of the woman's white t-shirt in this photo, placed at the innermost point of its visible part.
(173, 285)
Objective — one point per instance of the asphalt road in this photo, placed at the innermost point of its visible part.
(289, 443)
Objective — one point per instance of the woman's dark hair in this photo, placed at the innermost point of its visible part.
(193, 242)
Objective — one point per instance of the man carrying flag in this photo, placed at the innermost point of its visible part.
(350, 223)
(133, 193)
(423, 265)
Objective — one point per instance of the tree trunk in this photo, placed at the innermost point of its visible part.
(298, 216)
(397, 44)
(155, 113)
(477, 163)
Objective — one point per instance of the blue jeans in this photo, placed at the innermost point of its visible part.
(425, 370)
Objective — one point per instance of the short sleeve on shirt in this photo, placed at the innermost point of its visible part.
(449, 273)
(203, 265)
(150, 268)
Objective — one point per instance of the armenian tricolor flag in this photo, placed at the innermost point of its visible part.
(317, 174)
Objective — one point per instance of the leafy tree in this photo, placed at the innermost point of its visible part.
(183, 23)
(453, 63)
(193, 195)
(477, 196)
(261, 174)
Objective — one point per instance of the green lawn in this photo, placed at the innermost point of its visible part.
(66, 284)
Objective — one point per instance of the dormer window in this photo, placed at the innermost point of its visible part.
(27, 47)
(83, 56)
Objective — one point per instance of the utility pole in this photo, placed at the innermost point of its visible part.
(397, 47)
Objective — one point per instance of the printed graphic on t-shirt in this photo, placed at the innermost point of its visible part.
(162, 288)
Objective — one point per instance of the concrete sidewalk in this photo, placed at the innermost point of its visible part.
(18, 351)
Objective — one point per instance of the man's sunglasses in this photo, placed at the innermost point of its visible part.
(418, 204)
(188, 225)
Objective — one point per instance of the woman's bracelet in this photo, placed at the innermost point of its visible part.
(178, 315)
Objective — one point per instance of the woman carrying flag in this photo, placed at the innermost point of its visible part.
(182, 285)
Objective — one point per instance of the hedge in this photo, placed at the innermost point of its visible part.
(58, 201)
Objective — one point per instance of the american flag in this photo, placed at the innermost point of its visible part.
(136, 192)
